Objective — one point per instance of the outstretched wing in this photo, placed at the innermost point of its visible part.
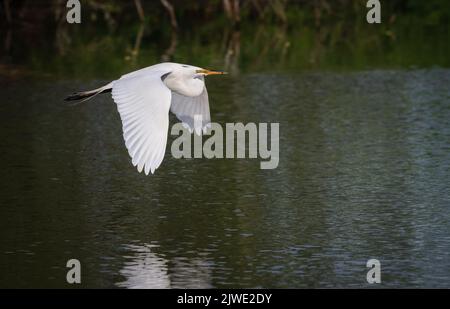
(143, 102)
(192, 111)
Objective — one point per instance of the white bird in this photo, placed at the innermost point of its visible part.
(144, 98)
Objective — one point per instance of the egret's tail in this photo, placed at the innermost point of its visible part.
(86, 95)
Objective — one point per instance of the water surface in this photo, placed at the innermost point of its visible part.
(364, 173)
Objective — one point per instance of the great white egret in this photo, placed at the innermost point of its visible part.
(144, 98)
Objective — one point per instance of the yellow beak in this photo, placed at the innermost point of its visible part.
(209, 72)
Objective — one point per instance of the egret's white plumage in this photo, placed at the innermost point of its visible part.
(144, 98)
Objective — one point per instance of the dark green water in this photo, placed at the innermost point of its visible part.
(364, 173)
(364, 164)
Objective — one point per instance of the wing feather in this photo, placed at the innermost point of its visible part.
(143, 102)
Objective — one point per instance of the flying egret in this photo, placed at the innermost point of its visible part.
(144, 98)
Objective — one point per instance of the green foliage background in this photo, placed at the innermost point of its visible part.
(267, 35)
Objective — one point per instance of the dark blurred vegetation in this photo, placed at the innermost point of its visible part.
(254, 35)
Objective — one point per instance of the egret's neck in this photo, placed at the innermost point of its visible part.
(190, 87)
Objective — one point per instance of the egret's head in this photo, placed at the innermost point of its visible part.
(189, 70)
(188, 80)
